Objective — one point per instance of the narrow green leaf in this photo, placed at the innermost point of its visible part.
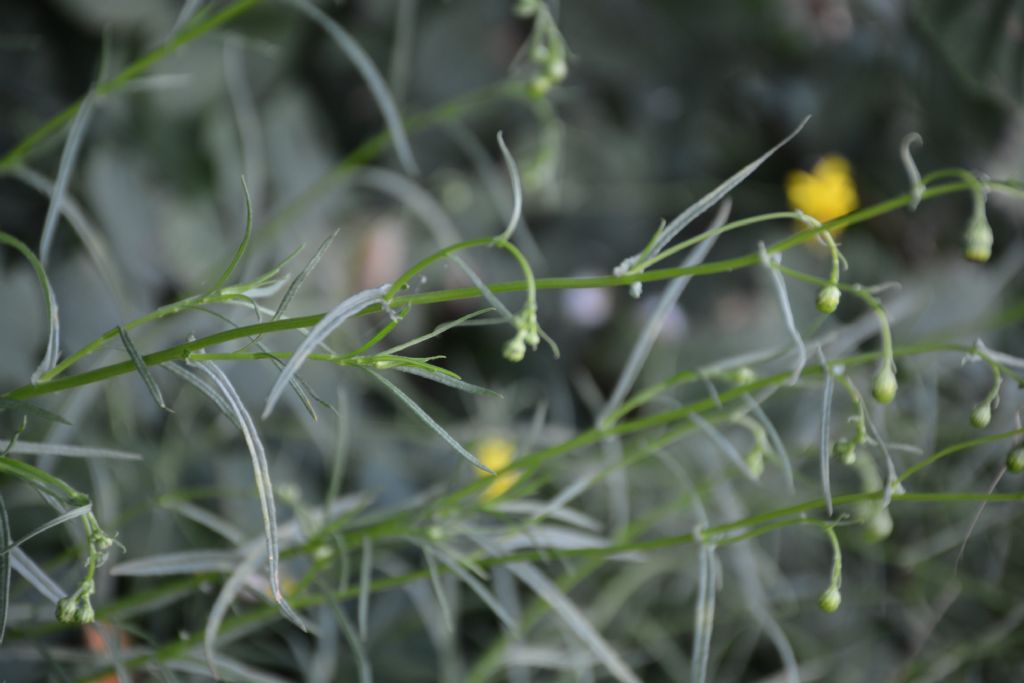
(36, 577)
(5, 568)
(53, 339)
(374, 81)
(517, 189)
(69, 451)
(447, 380)
(296, 284)
(365, 578)
(823, 443)
(67, 163)
(441, 329)
(331, 321)
(548, 591)
(429, 421)
(264, 486)
(240, 252)
(142, 369)
(7, 545)
(10, 405)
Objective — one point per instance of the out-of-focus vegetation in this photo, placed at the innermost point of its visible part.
(492, 422)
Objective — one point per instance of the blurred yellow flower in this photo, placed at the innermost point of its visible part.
(497, 453)
(827, 192)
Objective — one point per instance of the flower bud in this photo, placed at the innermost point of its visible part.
(978, 239)
(745, 375)
(539, 86)
(1015, 459)
(981, 415)
(884, 388)
(828, 299)
(845, 450)
(755, 462)
(557, 69)
(830, 599)
(879, 526)
(515, 349)
(66, 610)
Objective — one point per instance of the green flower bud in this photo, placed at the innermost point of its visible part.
(322, 553)
(1015, 459)
(745, 375)
(830, 599)
(978, 239)
(845, 450)
(884, 388)
(755, 462)
(981, 415)
(85, 613)
(557, 69)
(828, 299)
(66, 609)
(540, 54)
(515, 349)
(879, 526)
(526, 8)
(539, 86)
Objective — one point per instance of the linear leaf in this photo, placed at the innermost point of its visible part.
(5, 568)
(772, 262)
(69, 451)
(823, 445)
(243, 571)
(264, 487)
(53, 339)
(29, 409)
(447, 380)
(67, 162)
(365, 577)
(331, 321)
(204, 388)
(374, 81)
(296, 284)
(710, 199)
(35, 576)
(246, 237)
(7, 545)
(142, 369)
(429, 421)
(172, 564)
(517, 189)
(577, 622)
(475, 585)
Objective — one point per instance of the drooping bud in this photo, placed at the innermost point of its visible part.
(978, 238)
(830, 599)
(885, 386)
(828, 299)
(1015, 459)
(981, 415)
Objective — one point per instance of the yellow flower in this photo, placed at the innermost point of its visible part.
(497, 453)
(827, 192)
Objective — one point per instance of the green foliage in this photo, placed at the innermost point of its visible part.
(672, 510)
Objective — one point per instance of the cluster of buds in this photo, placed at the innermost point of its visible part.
(77, 607)
(527, 334)
(547, 50)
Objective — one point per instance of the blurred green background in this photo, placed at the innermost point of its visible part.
(663, 100)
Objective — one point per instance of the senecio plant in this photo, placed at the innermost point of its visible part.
(514, 542)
